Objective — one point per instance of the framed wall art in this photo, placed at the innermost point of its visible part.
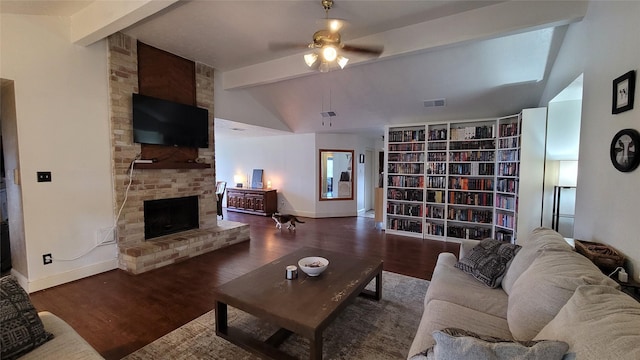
(624, 150)
(623, 92)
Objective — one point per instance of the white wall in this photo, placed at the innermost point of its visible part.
(291, 162)
(61, 93)
(603, 46)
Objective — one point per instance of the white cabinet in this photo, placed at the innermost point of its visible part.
(464, 179)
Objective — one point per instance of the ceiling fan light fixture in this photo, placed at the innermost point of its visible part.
(329, 53)
(342, 61)
(310, 59)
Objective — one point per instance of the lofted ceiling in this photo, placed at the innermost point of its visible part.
(484, 58)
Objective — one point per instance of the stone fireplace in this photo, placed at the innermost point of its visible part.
(147, 184)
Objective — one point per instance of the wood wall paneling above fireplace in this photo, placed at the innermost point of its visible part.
(169, 77)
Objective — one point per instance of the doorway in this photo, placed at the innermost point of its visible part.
(561, 162)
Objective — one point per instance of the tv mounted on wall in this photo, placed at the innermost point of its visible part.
(162, 122)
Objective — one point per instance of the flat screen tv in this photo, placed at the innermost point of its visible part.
(162, 122)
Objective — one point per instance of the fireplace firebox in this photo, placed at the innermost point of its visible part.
(170, 216)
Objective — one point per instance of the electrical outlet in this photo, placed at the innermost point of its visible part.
(44, 176)
(106, 236)
(47, 259)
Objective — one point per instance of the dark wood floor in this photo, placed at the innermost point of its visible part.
(118, 313)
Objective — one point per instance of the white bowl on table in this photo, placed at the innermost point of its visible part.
(313, 265)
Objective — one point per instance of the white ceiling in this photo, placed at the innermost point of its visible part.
(486, 58)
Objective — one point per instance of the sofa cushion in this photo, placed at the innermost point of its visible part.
(453, 343)
(21, 329)
(598, 322)
(66, 344)
(540, 240)
(488, 261)
(440, 315)
(453, 285)
(545, 287)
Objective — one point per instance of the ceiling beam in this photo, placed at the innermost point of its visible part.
(103, 18)
(502, 19)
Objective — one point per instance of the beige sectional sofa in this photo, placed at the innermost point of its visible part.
(27, 334)
(549, 292)
(66, 343)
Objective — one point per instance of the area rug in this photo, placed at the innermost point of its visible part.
(366, 329)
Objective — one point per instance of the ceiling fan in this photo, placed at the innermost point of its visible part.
(327, 46)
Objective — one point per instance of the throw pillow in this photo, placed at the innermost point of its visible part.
(452, 343)
(488, 261)
(21, 329)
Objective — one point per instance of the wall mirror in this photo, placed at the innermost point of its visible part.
(336, 174)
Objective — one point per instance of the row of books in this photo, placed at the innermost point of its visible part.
(466, 198)
(472, 156)
(406, 147)
(437, 182)
(508, 169)
(471, 215)
(507, 185)
(406, 181)
(504, 236)
(435, 196)
(437, 134)
(437, 146)
(435, 212)
(508, 143)
(407, 157)
(505, 220)
(473, 145)
(407, 135)
(473, 132)
(405, 194)
(434, 229)
(437, 156)
(461, 183)
(406, 168)
(437, 168)
(463, 232)
(404, 225)
(509, 155)
(474, 169)
(510, 129)
(506, 202)
(404, 209)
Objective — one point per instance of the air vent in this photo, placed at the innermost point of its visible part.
(328, 114)
(434, 103)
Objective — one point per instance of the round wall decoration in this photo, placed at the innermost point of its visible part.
(624, 150)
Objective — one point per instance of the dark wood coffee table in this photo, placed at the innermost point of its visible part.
(305, 306)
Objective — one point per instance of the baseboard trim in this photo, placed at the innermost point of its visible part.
(68, 276)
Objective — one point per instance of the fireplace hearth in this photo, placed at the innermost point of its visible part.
(170, 216)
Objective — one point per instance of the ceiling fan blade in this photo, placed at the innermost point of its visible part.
(368, 50)
(274, 46)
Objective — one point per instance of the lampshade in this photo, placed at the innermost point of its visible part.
(310, 59)
(342, 61)
(568, 173)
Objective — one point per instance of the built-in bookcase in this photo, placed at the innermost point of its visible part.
(405, 179)
(461, 180)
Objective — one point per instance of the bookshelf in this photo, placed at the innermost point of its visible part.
(405, 180)
(471, 178)
(463, 180)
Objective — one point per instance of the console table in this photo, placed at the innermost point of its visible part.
(252, 201)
